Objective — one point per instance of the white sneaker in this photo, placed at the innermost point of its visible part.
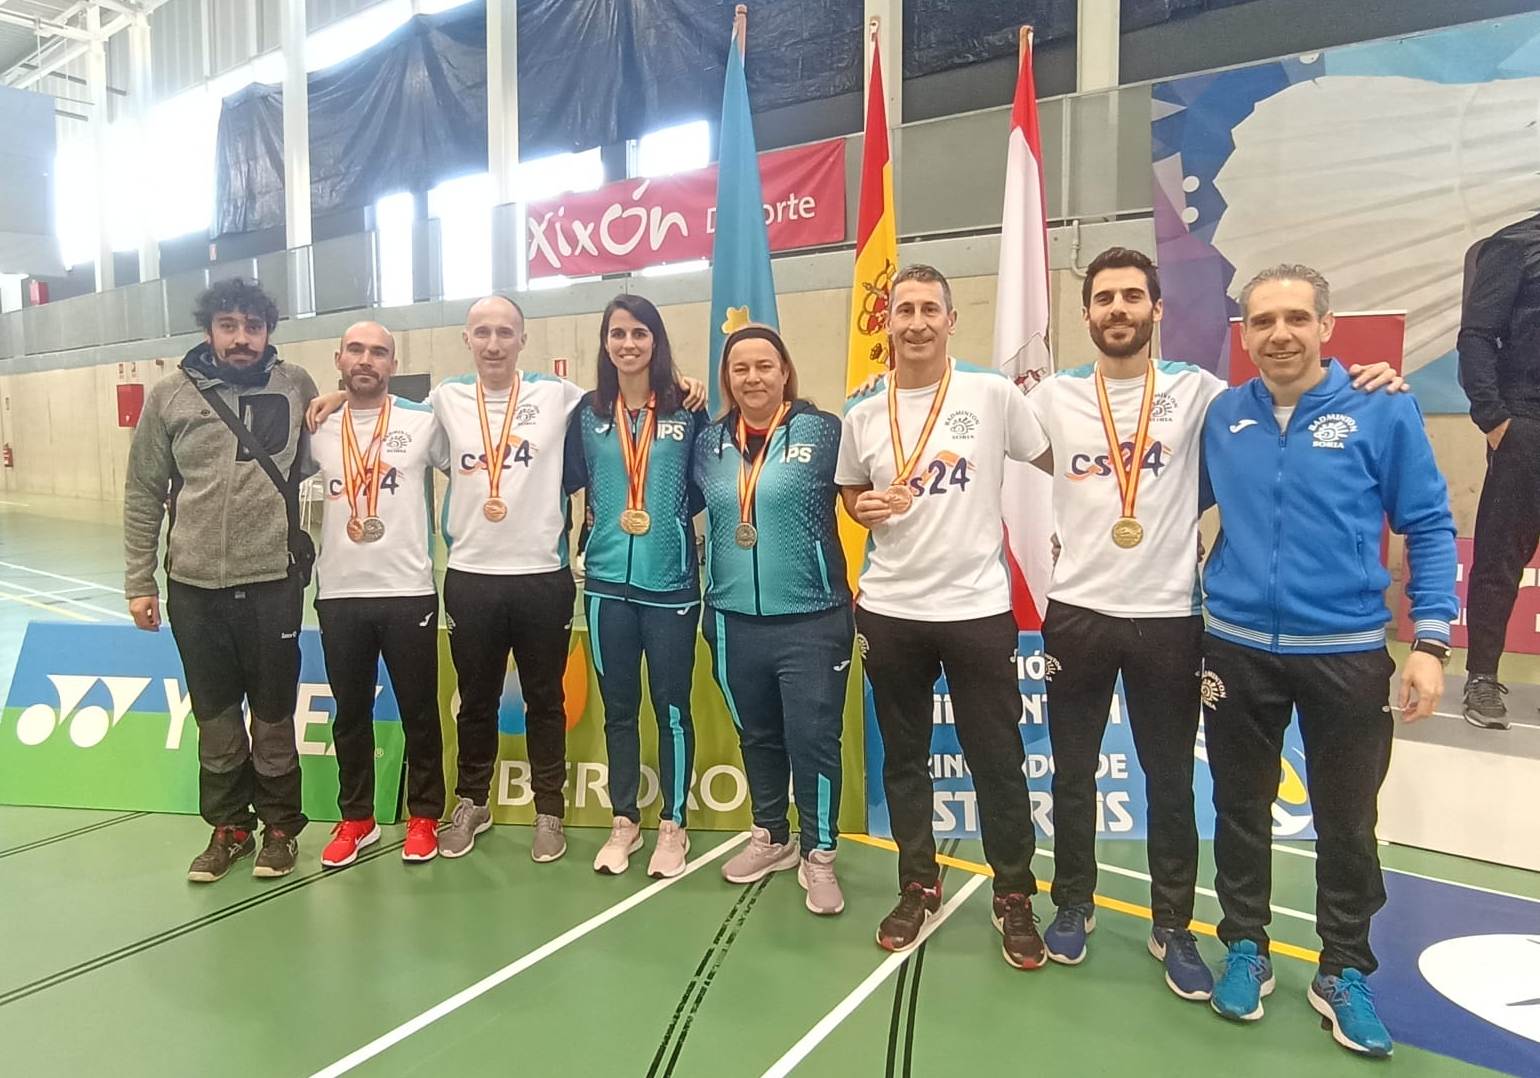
(668, 856)
(816, 875)
(760, 858)
(615, 855)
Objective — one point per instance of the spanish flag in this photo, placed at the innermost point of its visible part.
(876, 263)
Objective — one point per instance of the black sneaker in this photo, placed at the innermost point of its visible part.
(279, 850)
(1484, 705)
(900, 930)
(1021, 945)
(226, 845)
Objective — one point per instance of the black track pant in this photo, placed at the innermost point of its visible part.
(1507, 531)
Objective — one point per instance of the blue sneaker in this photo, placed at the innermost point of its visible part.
(1248, 976)
(1346, 1006)
(1065, 938)
(1186, 973)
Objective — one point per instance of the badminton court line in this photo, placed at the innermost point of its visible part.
(842, 1010)
(516, 967)
(60, 597)
(59, 576)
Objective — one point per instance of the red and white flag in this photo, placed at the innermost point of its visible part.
(1021, 346)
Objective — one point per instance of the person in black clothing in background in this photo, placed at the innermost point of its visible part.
(1500, 371)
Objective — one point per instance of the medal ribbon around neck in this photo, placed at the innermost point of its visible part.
(361, 471)
(1127, 475)
(636, 452)
(903, 467)
(494, 453)
(748, 478)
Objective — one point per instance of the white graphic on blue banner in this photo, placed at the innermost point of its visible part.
(1120, 803)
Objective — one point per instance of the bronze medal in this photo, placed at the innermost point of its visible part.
(356, 530)
(900, 498)
(494, 509)
(900, 494)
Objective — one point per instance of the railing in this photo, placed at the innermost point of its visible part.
(1096, 149)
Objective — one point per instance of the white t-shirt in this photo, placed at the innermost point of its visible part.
(400, 563)
(944, 559)
(532, 538)
(1159, 577)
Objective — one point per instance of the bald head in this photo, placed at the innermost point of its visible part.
(494, 333)
(366, 358)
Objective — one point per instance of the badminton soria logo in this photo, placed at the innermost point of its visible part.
(88, 725)
(1331, 430)
(863, 645)
(1051, 666)
(1211, 689)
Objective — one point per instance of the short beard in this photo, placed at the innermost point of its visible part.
(1143, 331)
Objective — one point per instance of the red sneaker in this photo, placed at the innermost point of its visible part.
(348, 837)
(421, 839)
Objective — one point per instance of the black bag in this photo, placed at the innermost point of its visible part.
(301, 546)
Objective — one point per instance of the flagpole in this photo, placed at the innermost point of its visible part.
(741, 28)
(1024, 43)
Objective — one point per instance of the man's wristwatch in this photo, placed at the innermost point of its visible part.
(1436, 648)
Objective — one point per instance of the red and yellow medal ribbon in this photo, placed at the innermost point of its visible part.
(1127, 473)
(636, 451)
(361, 470)
(904, 466)
(494, 453)
(748, 478)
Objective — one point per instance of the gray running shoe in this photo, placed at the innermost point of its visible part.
(816, 875)
(468, 820)
(277, 855)
(1484, 705)
(226, 846)
(760, 858)
(550, 840)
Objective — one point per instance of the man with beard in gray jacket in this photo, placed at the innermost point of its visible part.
(234, 588)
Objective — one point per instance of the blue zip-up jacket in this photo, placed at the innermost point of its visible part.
(798, 566)
(1296, 568)
(660, 566)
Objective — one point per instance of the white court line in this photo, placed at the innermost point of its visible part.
(59, 576)
(842, 1010)
(18, 505)
(61, 597)
(516, 967)
(1118, 870)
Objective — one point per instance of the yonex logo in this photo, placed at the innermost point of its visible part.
(88, 725)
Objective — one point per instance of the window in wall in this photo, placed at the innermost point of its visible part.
(463, 207)
(674, 149)
(393, 236)
(348, 37)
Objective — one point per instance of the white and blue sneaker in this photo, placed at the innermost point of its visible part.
(1065, 937)
(1346, 1007)
(1247, 977)
(1186, 973)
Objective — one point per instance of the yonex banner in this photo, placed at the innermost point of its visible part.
(1121, 812)
(719, 790)
(98, 716)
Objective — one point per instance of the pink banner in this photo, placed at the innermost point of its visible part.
(1523, 626)
(636, 223)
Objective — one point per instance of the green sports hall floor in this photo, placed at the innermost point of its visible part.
(110, 963)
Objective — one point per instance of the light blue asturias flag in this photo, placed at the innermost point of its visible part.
(742, 289)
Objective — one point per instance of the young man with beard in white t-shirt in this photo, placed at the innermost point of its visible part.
(934, 596)
(374, 590)
(1124, 599)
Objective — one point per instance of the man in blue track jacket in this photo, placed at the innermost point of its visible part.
(1305, 472)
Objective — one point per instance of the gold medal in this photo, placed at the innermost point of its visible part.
(635, 453)
(494, 508)
(356, 530)
(635, 522)
(747, 535)
(900, 494)
(1127, 533)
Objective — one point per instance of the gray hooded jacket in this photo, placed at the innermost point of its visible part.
(228, 523)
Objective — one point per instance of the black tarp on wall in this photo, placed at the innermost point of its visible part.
(397, 117)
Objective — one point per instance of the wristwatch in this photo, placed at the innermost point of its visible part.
(1436, 648)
